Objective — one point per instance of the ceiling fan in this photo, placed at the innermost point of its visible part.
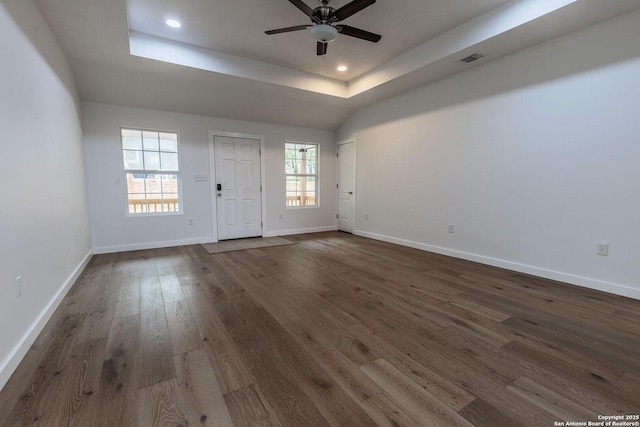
(323, 26)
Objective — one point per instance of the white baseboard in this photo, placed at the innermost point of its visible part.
(13, 360)
(612, 288)
(299, 231)
(151, 245)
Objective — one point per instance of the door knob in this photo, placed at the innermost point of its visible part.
(219, 194)
(350, 192)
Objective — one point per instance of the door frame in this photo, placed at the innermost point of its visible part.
(212, 178)
(355, 179)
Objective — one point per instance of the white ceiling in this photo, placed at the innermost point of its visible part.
(221, 64)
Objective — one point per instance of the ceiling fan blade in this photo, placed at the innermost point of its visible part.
(287, 30)
(303, 7)
(358, 33)
(350, 8)
(321, 48)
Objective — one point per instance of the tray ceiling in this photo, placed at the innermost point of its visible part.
(221, 64)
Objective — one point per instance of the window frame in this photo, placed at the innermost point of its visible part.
(316, 176)
(157, 172)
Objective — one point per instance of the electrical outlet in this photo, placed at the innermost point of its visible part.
(366, 217)
(450, 228)
(77, 238)
(18, 286)
(190, 222)
(602, 249)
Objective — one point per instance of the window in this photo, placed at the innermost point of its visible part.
(152, 169)
(301, 171)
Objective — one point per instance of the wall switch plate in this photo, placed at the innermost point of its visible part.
(18, 286)
(190, 221)
(280, 216)
(202, 178)
(602, 249)
(450, 228)
(366, 217)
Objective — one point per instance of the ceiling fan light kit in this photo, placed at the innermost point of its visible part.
(324, 33)
(323, 20)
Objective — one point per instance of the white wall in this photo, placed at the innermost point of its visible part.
(113, 231)
(44, 220)
(534, 158)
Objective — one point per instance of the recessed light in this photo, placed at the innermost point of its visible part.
(173, 23)
(342, 68)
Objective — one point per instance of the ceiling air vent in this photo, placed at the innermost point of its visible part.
(472, 58)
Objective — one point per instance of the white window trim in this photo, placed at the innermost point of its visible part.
(316, 176)
(180, 210)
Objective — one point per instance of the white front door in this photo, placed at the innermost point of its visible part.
(238, 187)
(346, 186)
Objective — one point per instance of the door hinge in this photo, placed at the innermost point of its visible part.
(337, 186)
(259, 152)
(337, 154)
(261, 188)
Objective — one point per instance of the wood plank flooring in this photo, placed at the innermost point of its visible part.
(335, 330)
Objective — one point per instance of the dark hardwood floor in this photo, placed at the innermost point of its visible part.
(334, 330)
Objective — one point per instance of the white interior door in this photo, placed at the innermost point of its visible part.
(238, 187)
(346, 186)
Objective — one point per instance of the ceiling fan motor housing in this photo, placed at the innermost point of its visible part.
(323, 13)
